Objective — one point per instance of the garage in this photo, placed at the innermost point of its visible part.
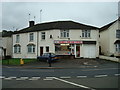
(89, 51)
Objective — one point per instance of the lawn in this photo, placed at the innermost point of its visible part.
(16, 61)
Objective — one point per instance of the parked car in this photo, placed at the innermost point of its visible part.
(45, 57)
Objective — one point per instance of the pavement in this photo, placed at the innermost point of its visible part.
(67, 63)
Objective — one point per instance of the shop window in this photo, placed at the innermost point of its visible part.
(64, 33)
(86, 33)
(17, 48)
(31, 48)
(63, 49)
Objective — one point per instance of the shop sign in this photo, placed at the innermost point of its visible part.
(70, 42)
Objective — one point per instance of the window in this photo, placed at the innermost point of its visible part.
(65, 33)
(118, 48)
(86, 33)
(31, 48)
(117, 33)
(17, 49)
(47, 49)
(42, 35)
(17, 38)
(31, 37)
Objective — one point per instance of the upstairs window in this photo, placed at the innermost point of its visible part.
(17, 49)
(17, 38)
(118, 48)
(31, 48)
(31, 37)
(64, 33)
(86, 33)
(42, 35)
(117, 33)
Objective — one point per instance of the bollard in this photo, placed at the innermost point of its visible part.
(21, 61)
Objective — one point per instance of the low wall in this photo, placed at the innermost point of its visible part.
(110, 58)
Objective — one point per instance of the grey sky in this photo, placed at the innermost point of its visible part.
(91, 13)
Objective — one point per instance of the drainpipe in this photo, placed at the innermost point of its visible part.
(37, 42)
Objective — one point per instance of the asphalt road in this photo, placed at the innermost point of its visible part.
(105, 76)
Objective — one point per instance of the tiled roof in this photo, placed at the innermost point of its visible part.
(55, 25)
(108, 25)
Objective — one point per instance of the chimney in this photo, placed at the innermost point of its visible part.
(31, 23)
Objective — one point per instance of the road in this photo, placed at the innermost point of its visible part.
(89, 78)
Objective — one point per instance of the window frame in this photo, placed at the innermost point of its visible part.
(64, 33)
(17, 49)
(31, 37)
(117, 48)
(86, 33)
(31, 48)
(117, 33)
(42, 35)
(17, 38)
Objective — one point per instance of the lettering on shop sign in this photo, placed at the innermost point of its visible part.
(70, 42)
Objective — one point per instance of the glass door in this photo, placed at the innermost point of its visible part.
(77, 50)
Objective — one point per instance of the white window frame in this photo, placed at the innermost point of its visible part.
(17, 49)
(31, 37)
(31, 48)
(42, 35)
(117, 33)
(64, 33)
(86, 33)
(117, 48)
(17, 38)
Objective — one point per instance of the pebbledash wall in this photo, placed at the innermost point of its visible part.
(75, 44)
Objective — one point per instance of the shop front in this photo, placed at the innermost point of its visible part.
(68, 47)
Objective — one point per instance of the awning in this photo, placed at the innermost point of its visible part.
(117, 42)
(89, 42)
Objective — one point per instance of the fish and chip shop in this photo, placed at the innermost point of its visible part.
(79, 49)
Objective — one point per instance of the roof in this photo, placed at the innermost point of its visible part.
(108, 25)
(55, 25)
(7, 33)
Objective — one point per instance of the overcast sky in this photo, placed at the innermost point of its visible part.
(15, 15)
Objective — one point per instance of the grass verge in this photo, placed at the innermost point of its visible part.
(15, 61)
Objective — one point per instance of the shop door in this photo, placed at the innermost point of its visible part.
(77, 51)
(41, 51)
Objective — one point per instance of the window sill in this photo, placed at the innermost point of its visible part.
(85, 37)
(17, 53)
(30, 53)
(64, 37)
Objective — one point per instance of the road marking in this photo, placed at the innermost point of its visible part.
(2, 77)
(81, 76)
(117, 74)
(65, 77)
(100, 69)
(8, 78)
(48, 79)
(73, 83)
(12, 77)
(34, 78)
(101, 75)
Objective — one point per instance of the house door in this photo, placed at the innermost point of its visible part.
(77, 51)
(41, 51)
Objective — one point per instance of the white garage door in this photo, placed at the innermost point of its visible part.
(89, 51)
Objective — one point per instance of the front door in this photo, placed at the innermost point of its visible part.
(78, 51)
(41, 51)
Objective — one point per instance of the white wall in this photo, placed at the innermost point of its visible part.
(74, 35)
